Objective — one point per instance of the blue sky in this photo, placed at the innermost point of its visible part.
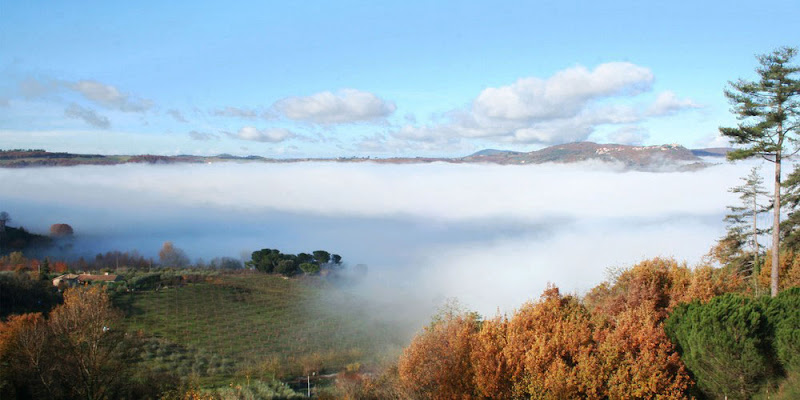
(366, 78)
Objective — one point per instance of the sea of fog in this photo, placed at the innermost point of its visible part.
(490, 236)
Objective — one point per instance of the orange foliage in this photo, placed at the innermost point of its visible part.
(638, 360)
(492, 377)
(788, 271)
(24, 346)
(60, 267)
(437, 364)
(550, 349)
(659, 285)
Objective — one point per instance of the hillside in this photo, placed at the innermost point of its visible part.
(266, 323)
(634, 157)
(648, 158)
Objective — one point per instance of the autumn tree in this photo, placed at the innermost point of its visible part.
(171, 256)
(769, 118)
(492, 374)
(437, 364)
(550, 349)
(26, 354)
(94, 353)
(61, 230)
(637, 359)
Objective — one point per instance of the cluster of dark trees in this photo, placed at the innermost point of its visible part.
(273, 261)
(735, 345)
(22, 293)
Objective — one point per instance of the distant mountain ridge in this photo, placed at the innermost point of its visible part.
(660, 157)
(635, 157)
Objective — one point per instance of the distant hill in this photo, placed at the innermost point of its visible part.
(712, 152)
(647, 158)
(492, 153)
(671, 156)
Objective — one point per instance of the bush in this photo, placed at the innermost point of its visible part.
(725, 344)
(309, 268)
(784, 317)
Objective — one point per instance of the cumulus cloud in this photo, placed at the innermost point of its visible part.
(202, 136)
(109, 96)
(98, 93)
(567, 107)
(668, 103)
(565, 94)
(345, 106)
(235, 112)
(177, 115)
(633, 135)
(712, 141)
(270, 135)
(87, 115)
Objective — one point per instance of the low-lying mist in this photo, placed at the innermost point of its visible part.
(490, 236)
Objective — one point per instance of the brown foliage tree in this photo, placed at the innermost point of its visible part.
(437, 364)
(550, 349)
(61, 230)
(25, 350)
(637, 359)
(80, 351)
(492, 374)
(93, 352)
(171, 256)
(789, 267)
(660, 284)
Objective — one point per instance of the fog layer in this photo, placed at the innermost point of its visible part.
(491, 236)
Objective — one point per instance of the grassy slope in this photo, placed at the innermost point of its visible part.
(234, 321)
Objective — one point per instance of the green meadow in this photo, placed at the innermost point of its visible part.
(259, 326)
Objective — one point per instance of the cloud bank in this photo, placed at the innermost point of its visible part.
(492, 236)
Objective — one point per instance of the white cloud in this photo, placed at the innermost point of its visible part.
(563, 95)
(633, 135)
(109, 96)
(235, 112)
(87, 115)
(272, 135)
(668, 103)
(567, 107)
(345, 106)
(712, 141)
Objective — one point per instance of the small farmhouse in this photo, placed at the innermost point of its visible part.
(68, 280)
(106, 278)
(72, 280)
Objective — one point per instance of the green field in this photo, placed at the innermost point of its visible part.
(257, 325)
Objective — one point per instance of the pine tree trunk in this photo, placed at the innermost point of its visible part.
(756, 269)
(776, 224)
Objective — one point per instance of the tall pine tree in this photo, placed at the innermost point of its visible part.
(740, 247)
(768, 112)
